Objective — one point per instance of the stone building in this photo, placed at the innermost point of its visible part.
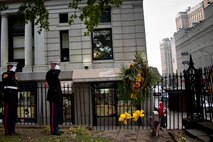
(85, 61)
(190, 17)
(196, 41)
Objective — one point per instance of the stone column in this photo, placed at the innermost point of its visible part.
(40, 51)
(28, 52)
(4, 40)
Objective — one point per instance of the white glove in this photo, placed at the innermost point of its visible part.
(13, 68)
(57, 67)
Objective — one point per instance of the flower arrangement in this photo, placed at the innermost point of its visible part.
(125, 116)
(136, 82)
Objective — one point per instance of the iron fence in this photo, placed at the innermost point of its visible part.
(185, 95)
(82, 105)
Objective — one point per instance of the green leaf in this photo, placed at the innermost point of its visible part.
(90, 14)
(128, 77)
(35, 10)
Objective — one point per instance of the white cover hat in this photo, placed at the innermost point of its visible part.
(12, 63)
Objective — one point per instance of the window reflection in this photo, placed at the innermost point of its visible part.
(102, 44)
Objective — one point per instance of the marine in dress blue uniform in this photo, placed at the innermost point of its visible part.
(10, 86)
(54, 96)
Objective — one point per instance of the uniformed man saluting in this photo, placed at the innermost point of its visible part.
(54, 96)
(10, 84)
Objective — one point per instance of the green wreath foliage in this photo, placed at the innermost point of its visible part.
(137, 80)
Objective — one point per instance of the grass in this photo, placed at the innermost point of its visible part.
(77, 134)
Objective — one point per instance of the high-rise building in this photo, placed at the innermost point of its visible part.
(190, 17)
(197, 42)
(166, 56)
(182, 21)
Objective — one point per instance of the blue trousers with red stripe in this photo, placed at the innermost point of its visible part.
(10, 111)
(54, 116)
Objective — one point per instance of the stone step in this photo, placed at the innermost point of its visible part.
(201, 135)
(205, 126)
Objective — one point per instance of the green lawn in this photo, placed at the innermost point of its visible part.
(78, 134)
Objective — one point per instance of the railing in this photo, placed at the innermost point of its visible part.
(185, 95)
(81, 106)
(171, 92)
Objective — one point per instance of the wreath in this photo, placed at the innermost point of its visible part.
(137, 80)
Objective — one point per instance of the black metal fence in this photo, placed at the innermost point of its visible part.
(27, 102)
(82, 105)
(185, 95)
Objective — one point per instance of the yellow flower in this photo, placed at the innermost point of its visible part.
(131, 66)
(123, 117)
(139, 77)
(136, 85)
(137, 114)
(134, 96)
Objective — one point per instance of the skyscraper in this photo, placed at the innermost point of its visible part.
(166, 56)
(190, 17)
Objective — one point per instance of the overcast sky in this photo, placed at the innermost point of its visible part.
(159, 17)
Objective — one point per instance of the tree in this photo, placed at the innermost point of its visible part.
(90, 14)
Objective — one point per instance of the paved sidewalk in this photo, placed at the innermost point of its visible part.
(116, 135)
(145, 135)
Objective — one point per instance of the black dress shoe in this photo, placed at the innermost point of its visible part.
(16, 134)
(58, 133)
(11, 134)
